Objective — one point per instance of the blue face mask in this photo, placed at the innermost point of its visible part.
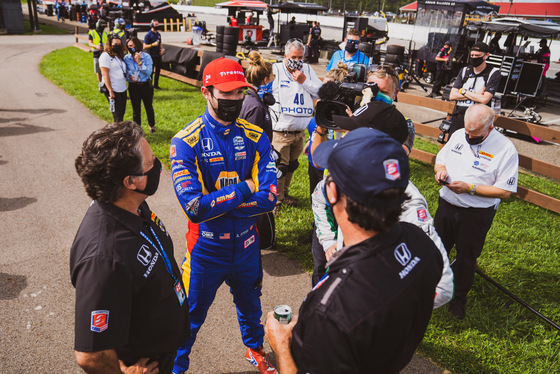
(265, 88)
(382, 97)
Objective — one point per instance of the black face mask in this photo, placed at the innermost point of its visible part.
(228, 110)
(268, 99)
(351, 47)
(132, 50)
(117, 48)
(153, 179)
(474, 141)
(477, 61)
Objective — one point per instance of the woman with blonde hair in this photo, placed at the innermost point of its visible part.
(255, 108)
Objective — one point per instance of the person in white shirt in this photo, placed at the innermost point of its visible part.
(113, 70)
(295, 87)
(477, 168)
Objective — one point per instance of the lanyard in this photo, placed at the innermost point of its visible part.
(162, 253)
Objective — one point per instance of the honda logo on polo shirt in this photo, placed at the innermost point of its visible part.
(207, 144)
(402, 254)
(144, 255)
(458, 146)
(511, 181)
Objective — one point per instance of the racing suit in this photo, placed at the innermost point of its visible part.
(415, 211)
(210, 163)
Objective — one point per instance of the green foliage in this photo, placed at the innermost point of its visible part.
(175, 105)
(44, 29)
(522, 251)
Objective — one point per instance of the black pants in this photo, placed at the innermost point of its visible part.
(157, 68)
(466, 229)
(142, 92)
(314, 50)
(120, 105)
(457, 120)
(315, 176)
(319, 259)
(440, 79)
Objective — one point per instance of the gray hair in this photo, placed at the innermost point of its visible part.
(479, 114)
(295, 44)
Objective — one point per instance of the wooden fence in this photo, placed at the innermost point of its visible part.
(525, 128)
(521, 127)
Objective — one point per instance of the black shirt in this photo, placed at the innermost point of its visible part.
(256, 112)
(125, 297)
(371, 312)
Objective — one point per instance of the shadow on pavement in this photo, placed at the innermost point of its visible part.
(12, 285)
(277, 265)
(10, 204)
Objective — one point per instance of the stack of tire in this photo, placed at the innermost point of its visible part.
(227, 38)
(394, 55)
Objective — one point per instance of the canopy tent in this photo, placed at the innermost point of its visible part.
(534, 29)
(526, 8)
(242, 4)
(304, 8)
(467, 6)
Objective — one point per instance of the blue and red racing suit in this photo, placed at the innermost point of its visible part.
(210, 163)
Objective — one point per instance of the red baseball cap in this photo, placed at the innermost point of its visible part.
(224, 74)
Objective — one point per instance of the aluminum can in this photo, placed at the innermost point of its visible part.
(283, 314)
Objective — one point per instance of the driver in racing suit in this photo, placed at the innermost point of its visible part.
(224, 178)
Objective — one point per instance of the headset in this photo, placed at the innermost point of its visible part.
(99, 23)
(152, 23)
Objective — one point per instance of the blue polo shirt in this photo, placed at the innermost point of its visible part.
(358, 58)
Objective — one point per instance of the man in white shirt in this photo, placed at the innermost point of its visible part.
(295, 87)
(477, 167)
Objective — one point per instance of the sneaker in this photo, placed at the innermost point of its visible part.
(258, 358)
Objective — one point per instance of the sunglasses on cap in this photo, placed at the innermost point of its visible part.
(387, 69)
(295, 40)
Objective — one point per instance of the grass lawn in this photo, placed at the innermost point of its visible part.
(45, 29)
(522, 250)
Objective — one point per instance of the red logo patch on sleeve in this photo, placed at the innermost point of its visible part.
(273, 189)
(99, 320)
(422, 215)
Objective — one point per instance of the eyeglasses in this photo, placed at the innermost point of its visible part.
(292, 40)
(353, 41)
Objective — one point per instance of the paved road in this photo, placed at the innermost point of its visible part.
(42, 202)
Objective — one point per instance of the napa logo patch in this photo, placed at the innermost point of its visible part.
(99, 320)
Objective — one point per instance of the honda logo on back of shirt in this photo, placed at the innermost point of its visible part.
(402, 254)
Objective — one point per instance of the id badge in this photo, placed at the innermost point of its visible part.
(180, 292)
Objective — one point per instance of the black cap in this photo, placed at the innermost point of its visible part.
(447, 42)
(377, 115)
(480, 46)
(365, 163)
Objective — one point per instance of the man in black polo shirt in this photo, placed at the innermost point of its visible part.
(131, 309)
(370, 310)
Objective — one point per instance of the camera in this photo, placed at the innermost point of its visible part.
(335, 97)
(444, 127)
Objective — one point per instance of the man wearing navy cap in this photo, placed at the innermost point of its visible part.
(391, 267)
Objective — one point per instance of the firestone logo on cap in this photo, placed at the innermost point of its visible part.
(392, 169)
(232, 72)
